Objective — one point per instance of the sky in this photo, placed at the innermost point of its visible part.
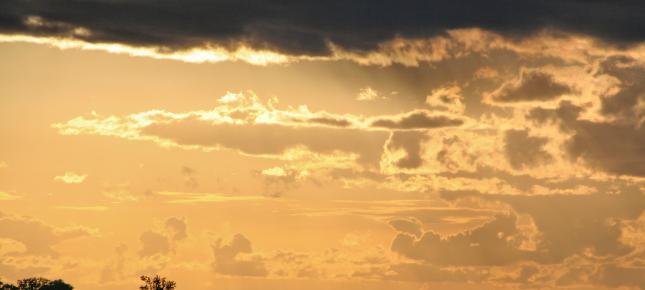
(288, 145)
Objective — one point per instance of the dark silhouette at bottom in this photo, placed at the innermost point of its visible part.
(157, 283)
(40, 283)
(37, 283)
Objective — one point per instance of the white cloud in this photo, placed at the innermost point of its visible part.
(368, 94)
(71, 177)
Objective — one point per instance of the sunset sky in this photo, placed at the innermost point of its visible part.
(323, 145)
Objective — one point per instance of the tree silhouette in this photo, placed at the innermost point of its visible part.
(157, 283)
(4, 286)
(34, 283)
(57, 285)
(37, 283)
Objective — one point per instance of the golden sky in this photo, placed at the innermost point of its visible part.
(469, 159)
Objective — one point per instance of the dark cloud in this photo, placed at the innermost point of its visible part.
(614, 147)
(410, 142)
(626, 105)
(582, 223)
(263, 139)
(228, 261)
(532, 85)
(522, 150)
(330, 121)
(616, 276)
(489, 244)
(307, 27)
(416, 120)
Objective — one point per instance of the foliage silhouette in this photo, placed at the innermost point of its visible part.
(37, 283)
(4, 286)
(157, 283)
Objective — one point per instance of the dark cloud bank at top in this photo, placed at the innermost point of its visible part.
(306, 27)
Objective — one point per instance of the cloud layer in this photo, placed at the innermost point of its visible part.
(310, 27)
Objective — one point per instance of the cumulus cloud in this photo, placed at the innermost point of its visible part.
(532, 85)
(234, 258)
(419, 119)
(523, 150)
(156, 243)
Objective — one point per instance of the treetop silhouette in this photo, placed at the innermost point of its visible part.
(157, 283)
(37, 283)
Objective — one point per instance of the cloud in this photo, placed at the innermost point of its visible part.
(408, 226)
(412, 143)
(448, 98)
(269, 139)
(419, 119)
(177, 228)
(244, 124)
(308, 28)
(523, 151)
(153, 243)
(114, 270)
(71, 178)
(278, 180)
(189, 177)
(590, 223)
(614, 147)
(330, 121)
(626, 105)
(532, 85)
(38, 237)
(367, 94)
(616, 276)
(487, 245)
(203, 197)
(420, 272)
(8, 196)
(230, 258)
